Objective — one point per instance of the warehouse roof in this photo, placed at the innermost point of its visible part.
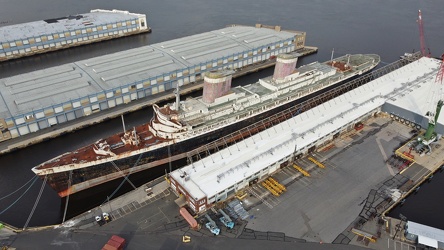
(428, 236)
(59, 25)
(52, 86)
(231, 165)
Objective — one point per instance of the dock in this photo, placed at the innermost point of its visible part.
(155, 214)
(49, 97)
(341, 203)
(52, 34)
(67, 127)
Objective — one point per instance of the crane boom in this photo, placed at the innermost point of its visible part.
(436, 98)
(421, 35)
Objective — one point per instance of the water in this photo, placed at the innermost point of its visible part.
(424, 206)
(387, 28)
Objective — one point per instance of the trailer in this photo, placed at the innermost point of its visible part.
(188, 217)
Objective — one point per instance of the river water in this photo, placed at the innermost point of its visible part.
(387, 28)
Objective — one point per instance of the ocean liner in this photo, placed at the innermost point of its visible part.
(180, 127)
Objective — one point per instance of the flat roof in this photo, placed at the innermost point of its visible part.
(426, 235)
(421, 93)
(39, 89)
(59, 25)
(223, 169)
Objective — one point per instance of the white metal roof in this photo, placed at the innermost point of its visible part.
(231, 165)
(428, 236)
(59, 25)
(419, 98)
(42, 88)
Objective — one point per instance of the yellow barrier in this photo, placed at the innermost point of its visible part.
(269, 189)
(316, 162)
(276, 183)
(303, 172)
(273, 187)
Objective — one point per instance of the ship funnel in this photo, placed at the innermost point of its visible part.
(216, 84)
(285, 65)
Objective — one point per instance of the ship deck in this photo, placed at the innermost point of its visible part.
(87, 154)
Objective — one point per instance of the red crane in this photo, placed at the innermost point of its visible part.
(421, 36)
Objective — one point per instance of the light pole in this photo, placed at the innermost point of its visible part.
(107, 198)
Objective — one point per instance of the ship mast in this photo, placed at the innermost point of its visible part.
(177, 96)
(332, 52)
(123, 123)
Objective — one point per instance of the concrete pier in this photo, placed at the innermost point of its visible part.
(70, 126)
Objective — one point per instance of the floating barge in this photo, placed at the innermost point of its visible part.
(59, 33)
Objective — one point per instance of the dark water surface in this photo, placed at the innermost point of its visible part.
(387, 28)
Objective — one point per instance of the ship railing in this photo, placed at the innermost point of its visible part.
(276, 118)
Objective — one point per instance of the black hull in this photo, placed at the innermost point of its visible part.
(155, 158)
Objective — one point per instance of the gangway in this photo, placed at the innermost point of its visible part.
(303, 172)
(211, 225)
(226, 220)
(316, 162)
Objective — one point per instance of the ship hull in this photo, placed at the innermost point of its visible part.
(87, 177)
